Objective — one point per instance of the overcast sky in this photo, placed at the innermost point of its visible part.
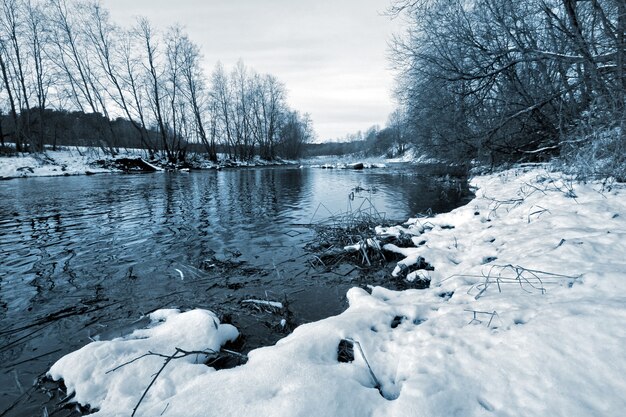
(331, 54)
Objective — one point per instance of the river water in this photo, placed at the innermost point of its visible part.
(83, 258)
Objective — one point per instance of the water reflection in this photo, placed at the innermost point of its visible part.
(57, 231)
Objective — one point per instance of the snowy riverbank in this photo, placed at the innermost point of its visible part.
(524, 317)
(71, 161)
(88, 160)
(74, 161)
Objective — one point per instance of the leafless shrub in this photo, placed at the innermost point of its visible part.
(600, 153)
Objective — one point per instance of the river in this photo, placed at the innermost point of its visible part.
(83, 258)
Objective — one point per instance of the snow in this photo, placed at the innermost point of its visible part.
(413, 156)
(368, 243)
(54, 164)
(89, 372)
(524, 317)
(82, 160)
(349, 165)
(66, 161)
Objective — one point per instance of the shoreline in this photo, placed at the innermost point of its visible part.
(91, 161)
(526, 296)
(73, 161)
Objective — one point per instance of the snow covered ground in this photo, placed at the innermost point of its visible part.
(68, 161)
(525, 316)
(54, 164)
(413, 156)
(82, 160)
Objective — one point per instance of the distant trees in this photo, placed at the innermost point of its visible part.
(391, 141)
(501, 80)
(296, 131)
(251, 114)
(68, 56)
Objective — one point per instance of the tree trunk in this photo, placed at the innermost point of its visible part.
(16, 125)
(621, 28)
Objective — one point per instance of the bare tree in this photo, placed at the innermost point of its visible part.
(9, 89)
(13, 67)
(507, 79)
(267, 106)
(113, 52)
(198, 96)
(145, 32)
(69, 58)
(240, 87)
(38, 41)
(131, 80)
(296, 130)
(221, 97)
(179, 110)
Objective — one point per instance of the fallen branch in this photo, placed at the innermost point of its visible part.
(167, 360)
(178, 354)
(264, 305)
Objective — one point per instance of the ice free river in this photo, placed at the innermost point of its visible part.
(83, 258)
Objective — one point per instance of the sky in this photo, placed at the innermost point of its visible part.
(330, 54)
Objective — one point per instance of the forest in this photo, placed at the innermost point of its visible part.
(72, 76)
(495, 81)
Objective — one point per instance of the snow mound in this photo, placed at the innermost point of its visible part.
(92, 372)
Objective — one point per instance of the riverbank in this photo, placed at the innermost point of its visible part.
(88, 160)
(523, 316)
(70, 161)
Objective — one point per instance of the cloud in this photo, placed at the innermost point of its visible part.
(331, 55)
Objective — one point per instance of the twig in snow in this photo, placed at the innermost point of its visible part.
(475, 318)
(377, 383)
(496, 204)
(133, 360)
(547, 183)
(179, 353)
(538, 213)
(167, 360)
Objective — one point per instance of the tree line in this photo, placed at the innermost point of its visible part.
(390, 141)
(503, 80)
(61, 57)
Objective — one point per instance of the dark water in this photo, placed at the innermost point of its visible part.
(83, 258)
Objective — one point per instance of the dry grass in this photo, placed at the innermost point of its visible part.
(353, 228)
(528, 280)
